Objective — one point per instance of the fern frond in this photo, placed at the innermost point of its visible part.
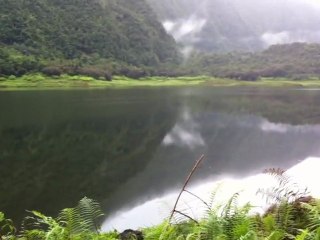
(286, 189)
(213, 197)
(83, 218)
(231, 206)
(211, 228)
(251, 235)
(285, 217)
(41, 225)
(303, 235)
(269, 223)
(6, 226)
(164, 231)
(276, 235)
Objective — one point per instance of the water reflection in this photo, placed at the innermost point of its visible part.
(59, 146)
(127, 147)
(156, 210)
(234, 145)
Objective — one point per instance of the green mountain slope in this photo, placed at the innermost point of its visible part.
(296, 61)
(121, 30)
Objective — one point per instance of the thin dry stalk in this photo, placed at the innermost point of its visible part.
(196, 165)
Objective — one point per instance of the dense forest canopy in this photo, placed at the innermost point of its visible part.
(101, 38)
(117, 30)
(296, 61)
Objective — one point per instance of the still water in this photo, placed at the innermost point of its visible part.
(128, 148)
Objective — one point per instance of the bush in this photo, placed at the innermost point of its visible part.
(275, 71)
(94, 73)
(244, 76)
(52, 71)
(75, 70)
(171, 73)
(133, 72)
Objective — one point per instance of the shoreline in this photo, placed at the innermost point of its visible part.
(41, 82)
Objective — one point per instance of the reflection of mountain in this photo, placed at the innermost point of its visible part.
(239, 133)
(91, 149)
(236, 145)
(123, 146)
(240, 24)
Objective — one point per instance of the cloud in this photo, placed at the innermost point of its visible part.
(254, 24)
(185, 30)
(284, 37)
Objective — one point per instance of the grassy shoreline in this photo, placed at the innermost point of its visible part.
(38, 81)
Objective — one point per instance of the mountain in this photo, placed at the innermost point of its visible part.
(121, 30)
(296, 61)
(245, 25)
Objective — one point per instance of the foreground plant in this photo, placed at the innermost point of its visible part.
(293, 215)
(7, 230)
(80, 222)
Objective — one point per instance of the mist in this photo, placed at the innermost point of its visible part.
(227, 25)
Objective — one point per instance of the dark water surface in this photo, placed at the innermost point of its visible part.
(123, 147)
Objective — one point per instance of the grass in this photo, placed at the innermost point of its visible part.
(39, 81)
(66, 81)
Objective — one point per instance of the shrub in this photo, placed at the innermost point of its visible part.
(133, 72)
(244, 76)
(275, 71)
(94, 73)
(52, 71)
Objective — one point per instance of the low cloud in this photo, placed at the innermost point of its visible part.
(185, 29)
(285, 37)
(244, 24)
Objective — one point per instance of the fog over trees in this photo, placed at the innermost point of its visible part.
(227, 25)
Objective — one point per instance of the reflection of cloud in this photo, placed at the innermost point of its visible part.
(184, 133)
(305, 174)
(180, 135)
(267, 126)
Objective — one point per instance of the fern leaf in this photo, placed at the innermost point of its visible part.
(251, 235)
(303, 235)
(83, 218)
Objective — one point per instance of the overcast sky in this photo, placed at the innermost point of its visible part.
(270, 21)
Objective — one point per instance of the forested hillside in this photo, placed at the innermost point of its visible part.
(296, 61)
(38, 33)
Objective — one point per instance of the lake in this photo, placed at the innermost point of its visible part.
(127, 147)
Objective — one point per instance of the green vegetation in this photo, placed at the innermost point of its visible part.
(294, 65)
(67, 81)
(40, 81)
(110, 35)
(80, 222)
(295, 61)
(292, 216)
(100, 39)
